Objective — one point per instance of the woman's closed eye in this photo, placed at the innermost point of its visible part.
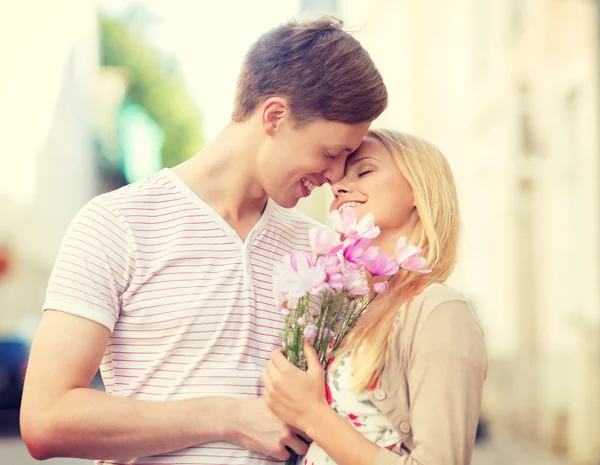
(364, 172)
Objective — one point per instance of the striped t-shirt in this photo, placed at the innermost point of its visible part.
(190, 306)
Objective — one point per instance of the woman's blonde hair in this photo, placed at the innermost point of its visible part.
(436, 232)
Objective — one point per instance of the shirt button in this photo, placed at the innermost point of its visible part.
(379, 394)
(404, 427)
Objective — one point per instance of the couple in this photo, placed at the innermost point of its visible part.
(166, 285)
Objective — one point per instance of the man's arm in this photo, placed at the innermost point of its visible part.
(62, 417)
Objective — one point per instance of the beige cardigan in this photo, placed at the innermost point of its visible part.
(431, 387)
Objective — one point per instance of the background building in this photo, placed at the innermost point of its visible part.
(48, 77)
(509, 92)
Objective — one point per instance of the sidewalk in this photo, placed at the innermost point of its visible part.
(500, 449)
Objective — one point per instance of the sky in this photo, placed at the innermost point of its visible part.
(209, 39)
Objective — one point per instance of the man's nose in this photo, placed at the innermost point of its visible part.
(335, 172)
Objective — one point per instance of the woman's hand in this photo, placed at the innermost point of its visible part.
(295, 396)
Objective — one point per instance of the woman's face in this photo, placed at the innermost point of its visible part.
(372, 183)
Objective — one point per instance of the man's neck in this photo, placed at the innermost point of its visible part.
(222, 174)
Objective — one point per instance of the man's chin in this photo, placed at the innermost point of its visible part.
(289, 203)
(285, 201)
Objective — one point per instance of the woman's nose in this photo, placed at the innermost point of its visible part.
(339, 189)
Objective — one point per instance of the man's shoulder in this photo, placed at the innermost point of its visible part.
(148, 197)
(294, 218)
(145, 190)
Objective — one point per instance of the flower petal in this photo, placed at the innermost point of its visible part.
(381, 288)
(407, 251)
(418, 264)
(336, 221)
(349, 218)
(382, 265)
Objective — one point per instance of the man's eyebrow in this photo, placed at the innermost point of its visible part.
(342, 148)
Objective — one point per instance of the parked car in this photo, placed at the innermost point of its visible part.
(14, 353)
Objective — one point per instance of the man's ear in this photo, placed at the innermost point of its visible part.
(274, 111)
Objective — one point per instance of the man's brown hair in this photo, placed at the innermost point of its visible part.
(320, 69)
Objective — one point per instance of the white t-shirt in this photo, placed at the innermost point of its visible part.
(190, 307)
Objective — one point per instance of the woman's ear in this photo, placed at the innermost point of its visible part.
(414, 216)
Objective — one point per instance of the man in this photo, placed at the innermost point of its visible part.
(166, 284)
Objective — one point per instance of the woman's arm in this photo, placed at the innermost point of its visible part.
(445, 375)
(298, 398)
(446, 371)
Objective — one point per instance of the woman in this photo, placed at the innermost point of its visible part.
(406, 386)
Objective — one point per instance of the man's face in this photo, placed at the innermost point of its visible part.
(295, 159)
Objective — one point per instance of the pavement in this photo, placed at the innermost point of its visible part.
(504, 449)
(497, 449)
(13, 450)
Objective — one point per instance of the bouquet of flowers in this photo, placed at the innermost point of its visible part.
(322, 294)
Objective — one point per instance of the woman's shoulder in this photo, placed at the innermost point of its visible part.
(438, 321)
(438, 293)
(440, 305)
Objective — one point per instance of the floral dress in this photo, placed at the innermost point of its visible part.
(357, 409)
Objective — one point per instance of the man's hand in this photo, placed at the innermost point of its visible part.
(259, 430)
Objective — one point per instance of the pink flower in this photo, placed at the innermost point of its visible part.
(359, 252)
(354, 251)
(382, 265)
(301, 259)
(302, 321)
(355, 282)
(370, 254)
(323, 241)
(327, 334)
(407, 257)
(330, 263)
(310, 332)
(345, 223)
(333, 271)
(405, 251)
(382, 287)
(418, 264)
(336, 282)
(292, 302)
(297, 275)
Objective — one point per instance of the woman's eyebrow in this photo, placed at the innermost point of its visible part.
(354, 161)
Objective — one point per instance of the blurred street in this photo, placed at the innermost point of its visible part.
(500, 451)
(15, 453)
(505, 450)
(99, 94)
